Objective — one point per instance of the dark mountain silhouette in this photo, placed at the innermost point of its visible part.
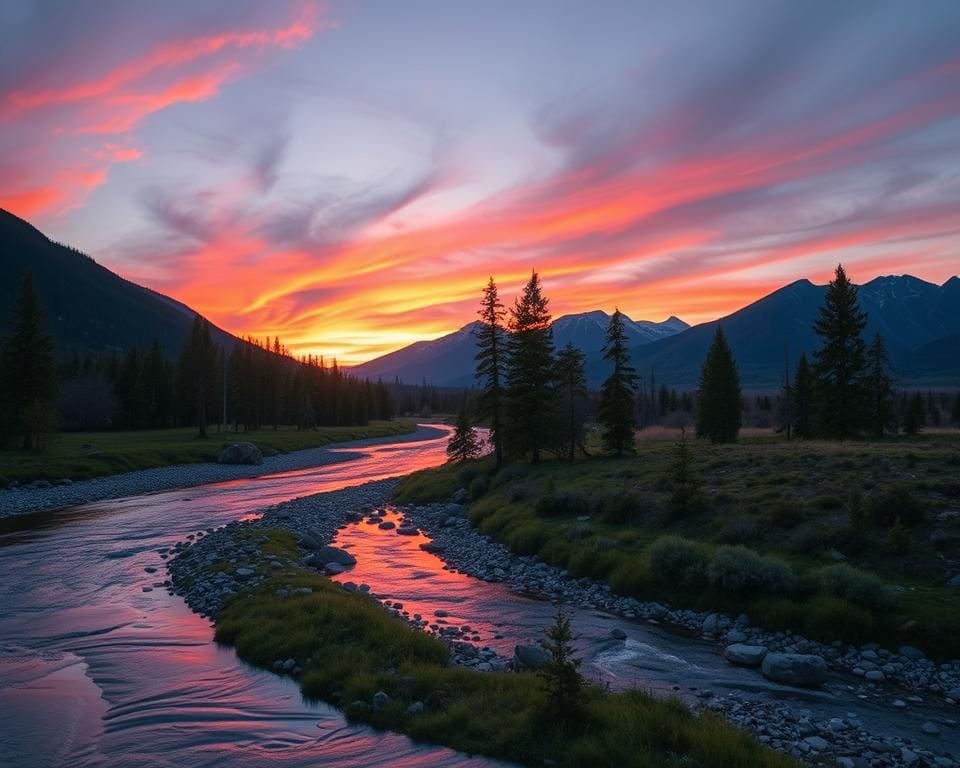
(449, 360)
(88, 307)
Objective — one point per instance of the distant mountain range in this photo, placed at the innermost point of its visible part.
(449, 360)
(88, 307)
(920, 323)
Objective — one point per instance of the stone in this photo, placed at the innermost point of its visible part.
(909, 652)
(745, 655)
(899, 704)
(736, 636)
(954, 694)
(711, 624)
(955, 581)
(387, 525)
(334, 569)
(816, 742)
(531, 656)
(796, 669)
(432, 547)
(618, 634)
(288, 665)
(461, 496)
(240, 453)
(336, 555)
(415, 709)
(908, 757)
(380, 700)
(245, 573)
(408, 530)
(931, 729)
(875, 676)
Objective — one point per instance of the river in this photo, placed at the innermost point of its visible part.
(99, 665)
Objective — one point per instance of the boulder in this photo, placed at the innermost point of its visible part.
(415, 709)
(380, 700)
(954, 695)
(618, 634)
(333, 569)
(797, 669)
(530, 656)
(336, 555)
(461, 496)
(387, 525)
(745, 655)
(240, 453)
(711, 624)
(909, 652)
(408, 530)
(432, 547)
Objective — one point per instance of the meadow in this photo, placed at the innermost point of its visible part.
(851, 541)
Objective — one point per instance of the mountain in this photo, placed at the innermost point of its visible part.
(88, 307)
(449, 360)
(915, 318)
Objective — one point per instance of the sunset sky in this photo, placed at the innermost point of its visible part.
(347, 175)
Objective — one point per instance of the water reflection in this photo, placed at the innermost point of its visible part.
(100, 666)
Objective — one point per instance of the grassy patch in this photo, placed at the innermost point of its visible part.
(81, 455)
(793, 504)
(350, 648)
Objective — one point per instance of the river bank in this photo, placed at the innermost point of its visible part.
(813, 735)
(24, 500)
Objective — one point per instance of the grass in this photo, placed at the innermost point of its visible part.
(793, 503)
(81, 455)
(350, 648)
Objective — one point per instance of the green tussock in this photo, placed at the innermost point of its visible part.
(351, 648)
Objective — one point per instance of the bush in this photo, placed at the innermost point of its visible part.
(631, 577)
(786, 514)
(739, 529)
(618, 508)
(507, 475)
(468, 473)
(807, 538)
(742, 571)
(860, 587)
(898, 539)
(897, 502)
(677, 562)
(478, 487)
(525, 539)
(563, 503)
(833, 618)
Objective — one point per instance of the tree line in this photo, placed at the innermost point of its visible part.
(250, 385)
(535, 398)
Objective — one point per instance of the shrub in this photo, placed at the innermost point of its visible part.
(507, 475)
(807, 538)
(631, 577)
(860, 587)
(741, 570)
(478, 487)
(677, 562)
(618, 508)
(833, 618)
(468, 473)
(898, 539)
(561, 503)
(897, 502)
(686, 493)
(525, 539)
(520, 491)
(779, 613)
(786, 514)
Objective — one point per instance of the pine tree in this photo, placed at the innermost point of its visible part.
(913, 417)
(491, 366)
(686, 495)
(197, 372)
(840, 364)
(572, 380)
(803, 400)
(464, 443)
(529, 372)
(561, 674)
(880, 387)
(618, 393)
(955, 410)
(28, 369)
(719, 401)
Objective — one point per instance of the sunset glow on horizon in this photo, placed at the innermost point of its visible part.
(346, 176)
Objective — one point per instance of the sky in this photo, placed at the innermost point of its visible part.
(347, 175)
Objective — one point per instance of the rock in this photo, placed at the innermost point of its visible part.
(817, 743)
(908, 757)
(240, 453)
(736, 636)
(899, 704)
(909, 652)
(288, 665)
(432, 547)
(408, 530)
(380, 700)
(954, 694)
(711, 624)
(955, 581)
(579, 531)
(245, 573)
(461, 496)
(414, 709)
(387, 525)
(875, 676)
(440, 613)
(836, 555)
(530, 656)
(333, 569)
(745, 655)
(336, 555)
(931, 729)
(618, 634)
(794, 669)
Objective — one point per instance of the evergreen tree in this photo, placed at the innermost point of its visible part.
(719, 401)
(28, 371)
(464, 443)
(491, 366)
(561, 674)
(803, 400)
(880, 387)
(572, 380)
(840, 364)
(955, 410)
(197, 373)
(617, 395)
(686, 495)
(529, 372)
